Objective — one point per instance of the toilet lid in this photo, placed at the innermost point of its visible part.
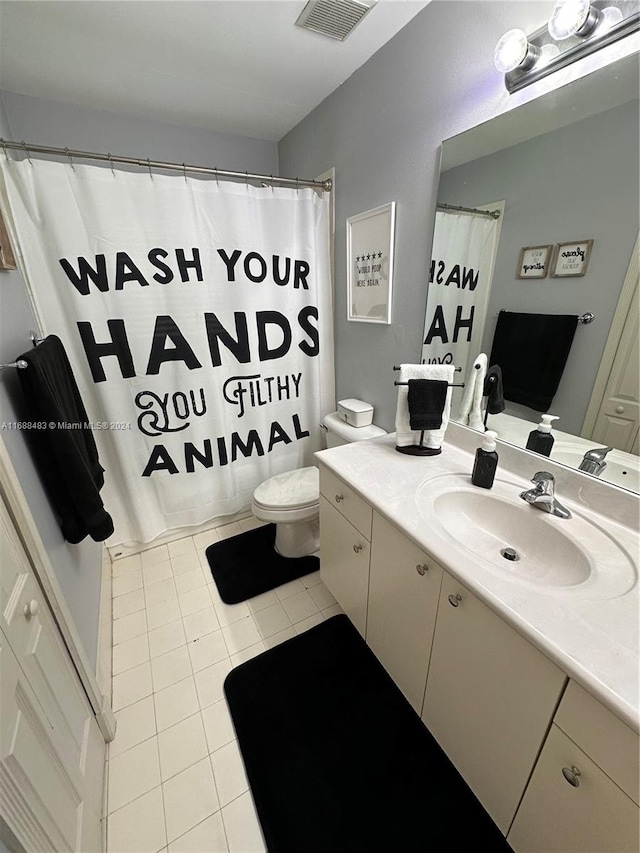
(298, 488)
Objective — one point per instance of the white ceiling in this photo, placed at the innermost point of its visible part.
(234, 66)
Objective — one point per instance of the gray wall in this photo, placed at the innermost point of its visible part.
(77, 567)
(576, 183)
(382, 130)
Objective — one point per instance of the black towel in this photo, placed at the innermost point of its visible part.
(66, 458)
(493, 391)
(426, 399)
(532, 350)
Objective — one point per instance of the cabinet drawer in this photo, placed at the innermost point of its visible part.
(606, 739)
(346, 501)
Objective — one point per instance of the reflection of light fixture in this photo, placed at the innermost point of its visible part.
(575, 29)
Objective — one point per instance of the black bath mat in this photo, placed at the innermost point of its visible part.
(247, 565)
(339, 762)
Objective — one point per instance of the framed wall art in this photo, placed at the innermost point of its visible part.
(534, 261)
(370, 239)
(571, 259)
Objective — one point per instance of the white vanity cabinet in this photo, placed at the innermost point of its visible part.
(404, 585)
(583, 794)
(489, 701)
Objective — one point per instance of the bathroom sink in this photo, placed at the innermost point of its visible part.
(622, 469)
(524, 544)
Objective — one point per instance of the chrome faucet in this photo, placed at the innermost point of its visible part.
(593, 461)
(542, 495)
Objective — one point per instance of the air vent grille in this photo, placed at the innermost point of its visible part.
(333, 18)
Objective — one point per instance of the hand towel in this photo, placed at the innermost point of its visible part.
(405, 436)
(426, 399)
(470, 412)
(67, 459)
(532, 350)
(493, 390)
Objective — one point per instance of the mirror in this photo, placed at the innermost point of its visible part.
(562, 169)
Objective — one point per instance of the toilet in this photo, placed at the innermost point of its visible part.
(291, 500)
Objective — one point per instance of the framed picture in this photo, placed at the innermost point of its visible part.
(571, 259)
(370, 238)
(534, 262)
(7, 259)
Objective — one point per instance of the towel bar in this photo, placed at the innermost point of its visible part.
(20, 363)
(585, 319)
(455, 369)
(451, 385)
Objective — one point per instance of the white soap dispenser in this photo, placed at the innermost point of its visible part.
(540, 440)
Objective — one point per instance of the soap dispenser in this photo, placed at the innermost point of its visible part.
(540, 440)
(486, 461)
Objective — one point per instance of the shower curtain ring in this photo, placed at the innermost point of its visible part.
(149, 168)
(26, 151)
(68, 153)
(246, 180)
(217, 181)
(297, 185)
(4, 148)
(184, 172)
(111, 164)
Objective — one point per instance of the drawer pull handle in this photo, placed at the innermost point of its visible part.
(422, 568)
(339, 498)
(31, 608)
(357, 548)
(454, 600)
(571, 775)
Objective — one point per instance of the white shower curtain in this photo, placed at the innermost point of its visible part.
(197, 318)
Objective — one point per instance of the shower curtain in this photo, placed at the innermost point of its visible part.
(197, 318)
(463, 257)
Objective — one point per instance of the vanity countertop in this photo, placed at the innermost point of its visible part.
(594, 640)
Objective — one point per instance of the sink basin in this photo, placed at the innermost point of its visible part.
(524, 544)
(622, 469)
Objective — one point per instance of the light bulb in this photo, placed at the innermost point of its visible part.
(514, 51)
(572, 18)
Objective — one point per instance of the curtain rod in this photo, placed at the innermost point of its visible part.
(493, 214)
(25, 147)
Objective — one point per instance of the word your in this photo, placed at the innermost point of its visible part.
(273, 338)
(227, 449)
(461, 277)
(261, 390)
(161, 411)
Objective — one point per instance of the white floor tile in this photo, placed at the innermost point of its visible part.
(280, 637)
(125, 565)
(207, 836)
(300, 606)
(207, 650)
(322, 597)
(250, 523)
(195, 600)
(135, 724)
(175, 703)
(131, 686)
(218, 725)
(163, 614)
(289, 589)
(242, 826)
(130, 602)
(210, 681)
(126, 583)
(229, 613)
(260, 602)
(334, 610)
(138, 827)
(130, 653)
(229, 530)
(312, 579)
(133, 773)
(189, 798)
(240, 635)
(179, 547)
(157, 572)
(169, 668)
(166, 638)
(246, 654)
(203, 540)
(185, 563)
(271, 620)
(229, 773)
(200, 623)
(309, 622)
(129, 627)
(188, 581)
(159, 554)
(159, 591)
(181, 746)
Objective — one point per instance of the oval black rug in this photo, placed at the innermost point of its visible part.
(337, 759)
(247, 565)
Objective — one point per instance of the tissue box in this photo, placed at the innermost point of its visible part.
(355, 412)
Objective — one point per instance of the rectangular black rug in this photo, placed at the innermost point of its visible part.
(248, 565)
(337, 759)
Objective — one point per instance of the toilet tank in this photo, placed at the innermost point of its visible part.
(338, 432)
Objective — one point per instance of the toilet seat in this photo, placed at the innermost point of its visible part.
(292, 490)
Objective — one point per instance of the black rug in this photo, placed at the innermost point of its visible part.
(337, 759)
(247, 565)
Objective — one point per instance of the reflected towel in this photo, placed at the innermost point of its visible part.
(493, 390)
(433, 438)
(470, 412)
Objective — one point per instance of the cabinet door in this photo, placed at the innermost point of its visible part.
(489, 700)
(344, 563)
(584, 812)
(404, 585)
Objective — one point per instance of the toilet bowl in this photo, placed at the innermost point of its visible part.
(291, 500)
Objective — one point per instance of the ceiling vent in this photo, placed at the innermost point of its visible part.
(333, 18)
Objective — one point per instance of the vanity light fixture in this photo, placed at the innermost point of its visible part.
(575, 29)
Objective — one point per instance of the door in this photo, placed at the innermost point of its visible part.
(51, 748)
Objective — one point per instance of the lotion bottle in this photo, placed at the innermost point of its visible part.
(486, 462)
(540, 440)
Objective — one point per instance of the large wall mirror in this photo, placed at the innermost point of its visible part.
(554, 175)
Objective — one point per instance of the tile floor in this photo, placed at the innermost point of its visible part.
(176, 781)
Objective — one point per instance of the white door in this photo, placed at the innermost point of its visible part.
(51, 748)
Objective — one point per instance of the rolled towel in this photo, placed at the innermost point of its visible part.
(426, 399)
(493, 390)
(470, 412)
(433, 438)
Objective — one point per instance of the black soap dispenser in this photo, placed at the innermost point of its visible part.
(486, 462)
(540, 440)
